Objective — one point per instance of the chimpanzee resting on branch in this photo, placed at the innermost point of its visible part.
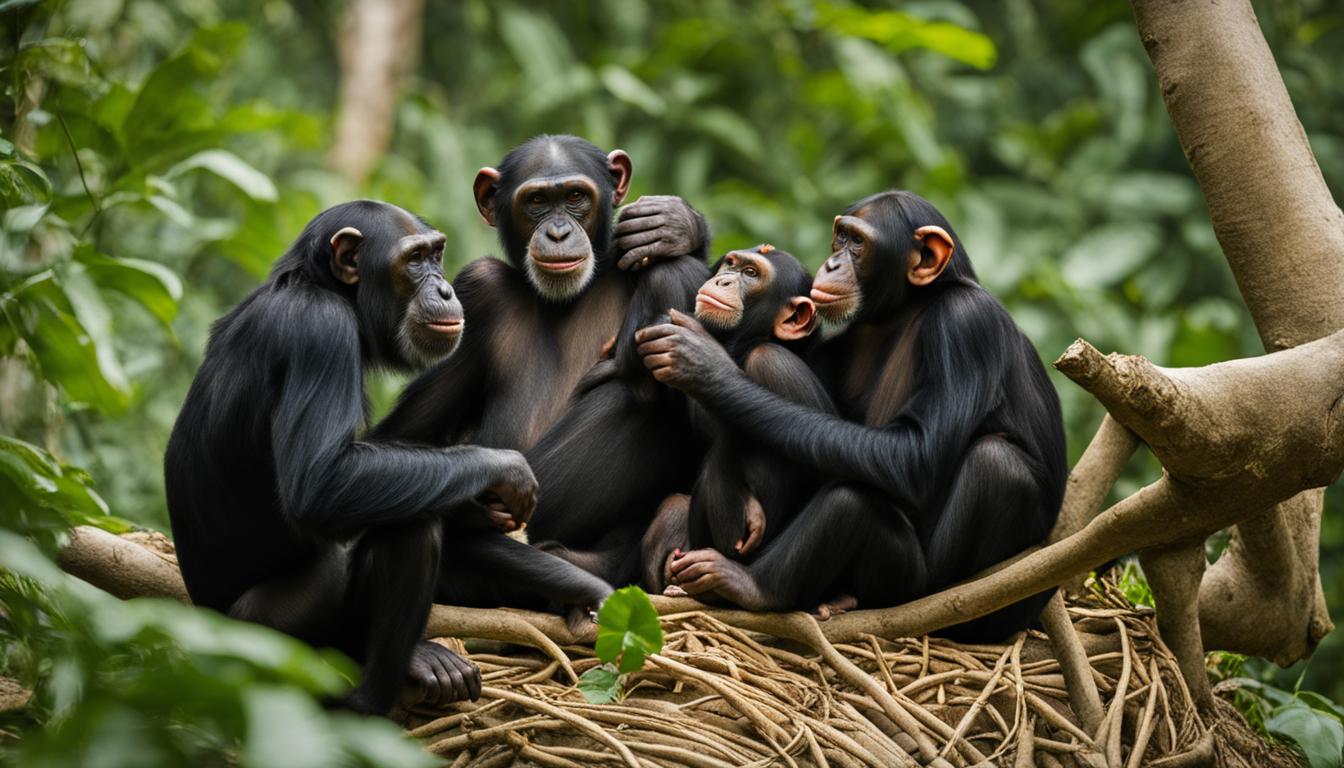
(756, 305)
(541, 319)
(949, 456)
(282, 517)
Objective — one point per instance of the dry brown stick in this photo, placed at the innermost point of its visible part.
(1115, 715)
(767, 728)
(1093, 476)
(1073, 662)
(581, 723)
(960, 731)
(1202, 754)
(1145, 730)
(525, 749)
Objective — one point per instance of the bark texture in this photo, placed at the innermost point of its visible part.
(379, 47)
(1266, 197)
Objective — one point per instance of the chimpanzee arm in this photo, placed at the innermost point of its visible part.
(785, 374)
(960, 366)
(434, 407)
(328, 482)
(663, 286)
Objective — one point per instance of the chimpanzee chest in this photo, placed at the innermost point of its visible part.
(540, 357)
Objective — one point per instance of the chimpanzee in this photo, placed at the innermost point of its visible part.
(948, 456)
(757, 306)
(541, 320)
(282, 517)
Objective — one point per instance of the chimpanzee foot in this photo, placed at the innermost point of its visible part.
(672, 590)
(437, 676)
(581, 617)
(707, 572)
(836, 606)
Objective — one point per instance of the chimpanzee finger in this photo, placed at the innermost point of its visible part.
(650, 332)
(442, 691)
(642, 208)
(702, 584)
(687, 559)
(650, 251)
(631, 226)
(664, 344)
(655, 362)
(472, 674)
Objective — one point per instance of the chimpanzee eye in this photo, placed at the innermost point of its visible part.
(858, 240)
(575, 196)
(751, 272)
(538, 199)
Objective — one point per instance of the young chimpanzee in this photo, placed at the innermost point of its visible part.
(282, 517)
(757, 306)
(541, 320)
(949, 453)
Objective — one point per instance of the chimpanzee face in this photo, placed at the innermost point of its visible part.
(756, 296)
(552, 200)
(405, 303)
(884, 250)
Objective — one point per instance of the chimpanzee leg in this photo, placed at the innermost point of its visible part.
(848, 539)
(666, 534)
(488, 569)
(392, 577)
(992, 513)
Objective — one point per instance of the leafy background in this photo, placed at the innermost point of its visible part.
(156, 157)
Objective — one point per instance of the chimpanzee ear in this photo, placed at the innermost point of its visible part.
(485, 187)
(797, 320)
(621, 169)
(344, 259)
(932, 256)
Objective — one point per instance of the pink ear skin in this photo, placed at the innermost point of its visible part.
(797, 320)
(618, 162)
(344, 259)
(938, 243)
(484, 189)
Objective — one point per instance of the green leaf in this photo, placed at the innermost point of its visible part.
(64, 323)
(600, 684)
(152, 286)
(378, 742)
(43, 495)
(625, 86)
(1109, 254)
(286, 728)
(232, 169)
(628, 627)
(900, 31)
(1320, 736)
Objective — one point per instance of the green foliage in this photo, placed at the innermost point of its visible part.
(627, 630)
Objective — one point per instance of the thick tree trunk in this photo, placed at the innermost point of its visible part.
(379, 45)
(1283, 236)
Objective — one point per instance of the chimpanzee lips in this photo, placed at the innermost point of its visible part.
(712, 302)
(445, 327)
(821, 296)
(559, 266)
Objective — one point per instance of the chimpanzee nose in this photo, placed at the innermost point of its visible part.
(446, 290)
(558, 231)
(724, 282)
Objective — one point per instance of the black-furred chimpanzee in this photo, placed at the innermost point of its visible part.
(948, 456)
(541, 320)
(757, 306)
(283, 517)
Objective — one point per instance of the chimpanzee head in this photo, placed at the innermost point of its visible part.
(389, 262)
(551, 200)
(887, 249)
(757, 296)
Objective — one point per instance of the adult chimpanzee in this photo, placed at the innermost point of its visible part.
(283, 518)
(950, 453)
(757, 306)
(541, 320)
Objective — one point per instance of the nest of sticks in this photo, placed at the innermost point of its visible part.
(720, 696)
(1098, 689)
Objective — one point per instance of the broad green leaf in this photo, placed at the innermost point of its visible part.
(628, 628)
(600, 684)
(625, 86)
(286, 728)
(1110, 253)
(1320, 736)
(900, 31)
(153, 286)
(378, 742)
(68, 353)
(231, 168)
(44, 496)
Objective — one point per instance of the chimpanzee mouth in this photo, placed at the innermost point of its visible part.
(445, 327)
(712, 303)
(560, 266)
(821, 297)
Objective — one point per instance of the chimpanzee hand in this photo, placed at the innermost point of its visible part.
(512, 497)
(658, 227)
(753, 527)
(682, 354)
